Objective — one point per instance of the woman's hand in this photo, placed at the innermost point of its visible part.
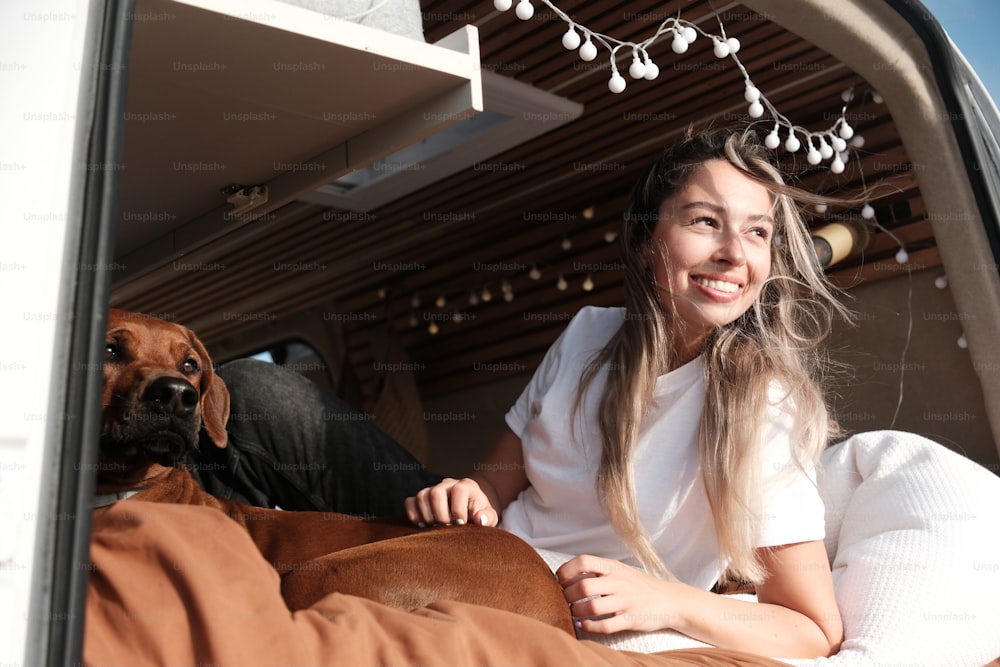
(451, 501)
(608, 596)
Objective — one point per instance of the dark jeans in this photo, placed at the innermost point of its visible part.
(295, 446)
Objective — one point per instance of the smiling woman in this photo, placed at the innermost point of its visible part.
(678, 409)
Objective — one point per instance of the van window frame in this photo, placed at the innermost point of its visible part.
(957, 85)
(58, 600)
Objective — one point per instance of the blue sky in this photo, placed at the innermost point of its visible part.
(972, 25)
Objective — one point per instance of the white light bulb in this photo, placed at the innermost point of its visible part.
(571, 40)
(756, 110)
(486, 295)
(857, 141)
(772, 140)
(821, 208)
(415, 301)
(838, 144)
(561, 284)
(588, 51)
(690, 34)
(609, 237)
(679, 45)
(440, 301)
(534, 274)
(751, 94)
(652, 71)
(837, 166)
(846, 131)
(616, 83)
(824, 149)
(941, 282)
(524, 10)
(432, 328)
(963, 342)
(508, 296)
(720, 49)
(734, 45)
(566, 243)
(588, 284)
(902, 256)
(847, 95)
(503, 5)
(637, 70)
(473, 298)
(867, 212)
(813, 156)
(792, 143)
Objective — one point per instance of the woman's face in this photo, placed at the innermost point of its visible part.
(716, 237)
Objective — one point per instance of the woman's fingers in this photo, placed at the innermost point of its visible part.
(451, 502)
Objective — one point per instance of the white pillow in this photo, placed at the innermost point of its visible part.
(913, 535)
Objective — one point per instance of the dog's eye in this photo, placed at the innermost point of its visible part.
(190, 366)
(112, 352)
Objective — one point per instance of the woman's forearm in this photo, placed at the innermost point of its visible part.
(761, 628)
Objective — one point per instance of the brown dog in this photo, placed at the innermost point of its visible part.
(160, 390)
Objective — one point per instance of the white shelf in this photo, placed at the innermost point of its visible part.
(260, 92)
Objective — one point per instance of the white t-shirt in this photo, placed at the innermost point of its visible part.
(560, 510)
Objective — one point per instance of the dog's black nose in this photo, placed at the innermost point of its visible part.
(174, 395)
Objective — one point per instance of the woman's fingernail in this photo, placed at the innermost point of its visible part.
(421, 524)
(459, 522)
(483, 520)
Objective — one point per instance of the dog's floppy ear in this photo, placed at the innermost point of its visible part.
(214, 397)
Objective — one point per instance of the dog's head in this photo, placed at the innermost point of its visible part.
(160, 390)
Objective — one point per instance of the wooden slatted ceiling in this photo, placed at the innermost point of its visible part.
(497, 220)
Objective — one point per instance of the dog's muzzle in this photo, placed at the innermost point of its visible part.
(161, 425)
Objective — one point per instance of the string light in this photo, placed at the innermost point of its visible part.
(561, 284)
(829, 144)
(535, 273)
(507, 290)
(588, 283)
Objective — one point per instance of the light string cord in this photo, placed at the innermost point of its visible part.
(829, 144)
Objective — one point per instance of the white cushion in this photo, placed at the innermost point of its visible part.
(913, 535)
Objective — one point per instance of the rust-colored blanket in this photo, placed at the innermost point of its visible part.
(184, 585)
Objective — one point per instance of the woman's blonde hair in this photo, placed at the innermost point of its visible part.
(773, 345)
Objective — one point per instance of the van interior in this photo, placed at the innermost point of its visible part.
(407, 200)
(408, 207)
